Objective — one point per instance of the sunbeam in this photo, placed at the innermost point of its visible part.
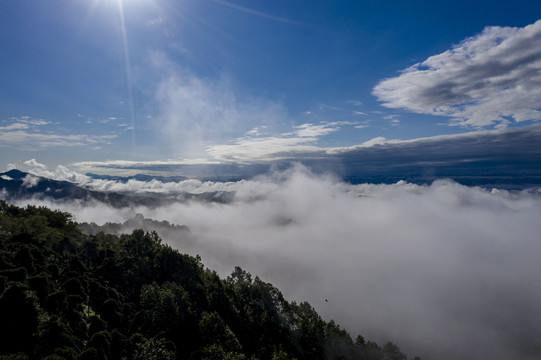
(127, 65)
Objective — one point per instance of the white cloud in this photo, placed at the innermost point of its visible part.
(253, 132)
(493, 78)
(310, 130)
(380, 140)
(22, 123)
(36, 140)
(37, 122)
(303, 140)
(298, 145)
(61, 172)
(14, 126)
(109, 165)
(132, 186)
(30, 181)
(28, 134)
(263, 149)
(36, 167)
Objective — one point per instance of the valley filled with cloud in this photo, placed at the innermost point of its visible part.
(446, 271)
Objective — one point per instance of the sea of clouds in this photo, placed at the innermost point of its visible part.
(444, 270)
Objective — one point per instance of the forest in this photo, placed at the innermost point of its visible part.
(67, 295)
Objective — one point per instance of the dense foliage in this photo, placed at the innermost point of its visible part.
(65, 295)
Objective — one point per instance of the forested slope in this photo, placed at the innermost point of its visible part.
(65, 295)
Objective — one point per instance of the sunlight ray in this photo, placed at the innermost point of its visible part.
(127, 64)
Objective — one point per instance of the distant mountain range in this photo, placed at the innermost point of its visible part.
(19, 185)
(16, 185)
(139, 177)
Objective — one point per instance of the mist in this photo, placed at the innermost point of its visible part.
(443, 270)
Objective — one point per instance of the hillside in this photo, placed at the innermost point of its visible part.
(66, 295)
(18, 185)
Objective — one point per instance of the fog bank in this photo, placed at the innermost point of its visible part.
(445, 271)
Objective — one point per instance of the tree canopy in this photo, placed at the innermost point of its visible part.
(66, 295)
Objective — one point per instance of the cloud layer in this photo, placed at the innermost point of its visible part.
(255, 147)
(446, 271)
(513, 153)
(28, 134)
(493, 78)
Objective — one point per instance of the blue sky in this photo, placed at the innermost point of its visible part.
(105, 84)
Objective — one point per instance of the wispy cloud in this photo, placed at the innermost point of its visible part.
(311, 130)
(14, 126)
(303, 140)
(129, 165)
(194, 111)
(32, 134)
(393, 119)
(34, 141)
(263, 149)
(493, 78)
(256, 13)
(23, 122)
(359, 113)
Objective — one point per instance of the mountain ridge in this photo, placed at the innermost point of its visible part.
(19, 185)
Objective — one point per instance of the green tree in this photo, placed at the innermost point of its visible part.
(214, 331)
(155, 349)
(392, 352)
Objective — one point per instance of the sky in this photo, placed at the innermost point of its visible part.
(169, 86)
